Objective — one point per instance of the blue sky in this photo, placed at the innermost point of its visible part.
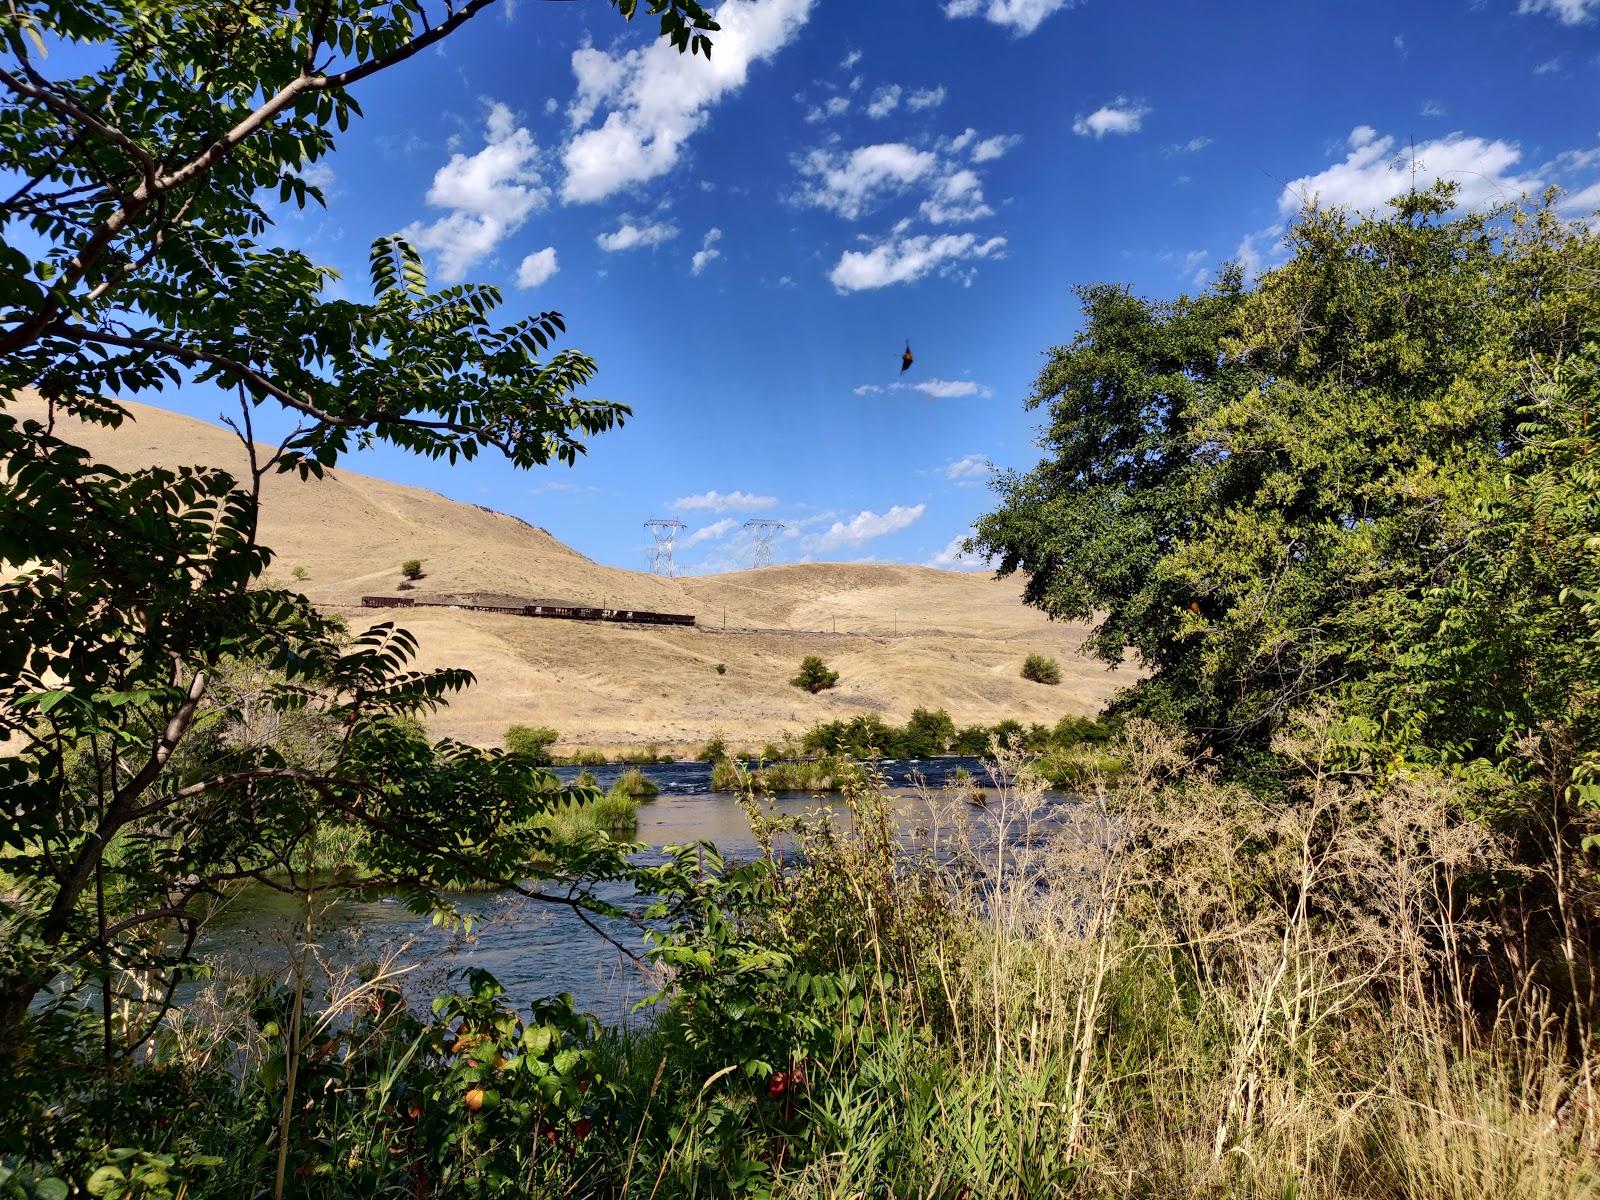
(746, 246)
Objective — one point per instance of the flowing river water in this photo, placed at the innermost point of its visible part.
(533, 948)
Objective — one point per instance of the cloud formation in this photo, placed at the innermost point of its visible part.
(720, 502)
(853, 183)
(655, 99)
(966, 469)
(993, 147)
(1022, 17)
(954, 558)
(1120, 116)
(1568, 12)
(629, 236)
(924, 98)
(907, 259)
(488, 196)
(708, 252)
(537, 268)
(1377, 169)
(712, 532)
(884, 101)
(864, 527)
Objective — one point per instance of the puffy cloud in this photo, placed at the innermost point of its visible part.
(537, 268)
(884, 101)
(1568, 12)
(850, 184)
(1373, 173)
(1584, 203)
(656, 98)
(954, 558)
(629, 236)
(834, 106)
(488, 194)
(907, 259)
(868, 389)
(850, 60)
(944, 389)
(994, 147)
(973, 466)
(925, 98)
(864, 527)
(708, 252)
(1432, 108)
(1119, 116)
(1022, 17)
(961, 141)
(715, 501)
(712, 532)
(958, 196)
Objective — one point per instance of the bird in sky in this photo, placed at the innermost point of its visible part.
(906, 360)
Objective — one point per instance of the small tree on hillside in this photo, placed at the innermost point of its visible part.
(411, 568)
(814, 675)
(1041, 669)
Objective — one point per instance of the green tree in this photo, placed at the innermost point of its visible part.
(532, 743)
(132, 259)
(814, 675)
(1041, 668)
(1333, 484)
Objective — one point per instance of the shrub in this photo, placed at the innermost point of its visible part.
(715, 750)
(1041, 669)
(814, 675)
(634, 782)
(722, 668)
(300, 574)
(531, 742)
(411, 568)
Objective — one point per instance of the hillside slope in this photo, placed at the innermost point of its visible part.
(906, 636)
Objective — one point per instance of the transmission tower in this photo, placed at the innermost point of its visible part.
(761, 535)
(663, 532)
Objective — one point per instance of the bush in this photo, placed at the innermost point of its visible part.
(1041, 669)
(532, 742)
(715, 750)
(411, 568)
(634, 782)
(814, 675)
(722, 668)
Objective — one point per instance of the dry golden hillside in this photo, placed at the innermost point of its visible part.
(907, 636)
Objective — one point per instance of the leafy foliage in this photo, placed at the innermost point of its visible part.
(1040, 668)
(1361, 479)
(814, 675)
(532, 743)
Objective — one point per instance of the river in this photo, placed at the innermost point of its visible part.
(534, 948)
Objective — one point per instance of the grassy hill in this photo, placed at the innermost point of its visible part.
(907, 636)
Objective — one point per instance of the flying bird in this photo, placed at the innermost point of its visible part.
(906, 360)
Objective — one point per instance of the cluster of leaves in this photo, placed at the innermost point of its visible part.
(1363, 479)
(531, 742)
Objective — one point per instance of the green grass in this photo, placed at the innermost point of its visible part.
(829, 774)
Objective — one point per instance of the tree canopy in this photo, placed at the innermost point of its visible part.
(1363, 479)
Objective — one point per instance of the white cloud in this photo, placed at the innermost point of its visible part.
(834, 106)
(1022, 17)
(994, 147)
(708, 252)
(1120, 116)
(958, 196)
(972, 466)
(712, 532)
(868, 389)
(961, 141)
(656, 98)
(953, 558)
(1584, 203)
(884, 101)
(629, 236)
(537, 268)
(1193, 146)
(1568, 12)
(864, 527)
(488, 194)
(1377, 169)
(944, 389)
(850, 184)
(925, 98)
(715, 501)
(1432, 108)
(907, 259)
(850, 60)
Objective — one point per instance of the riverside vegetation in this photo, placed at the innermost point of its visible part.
(1330, 931)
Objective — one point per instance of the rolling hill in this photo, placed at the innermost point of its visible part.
(906, 636)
